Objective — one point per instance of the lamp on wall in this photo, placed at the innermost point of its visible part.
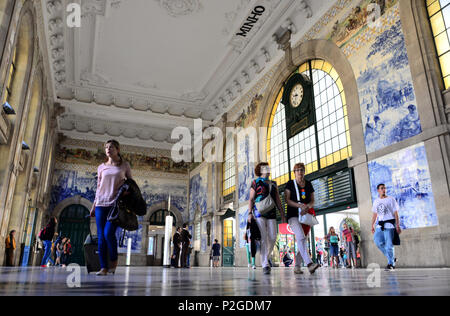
(25, 146)
(8, 109)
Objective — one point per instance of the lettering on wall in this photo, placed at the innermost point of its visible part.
(251, 20)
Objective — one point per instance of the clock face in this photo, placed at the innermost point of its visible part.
(296, 96)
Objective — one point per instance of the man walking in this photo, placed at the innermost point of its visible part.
(177, 247)
(185, 240)
(385, 211)
(216, 253)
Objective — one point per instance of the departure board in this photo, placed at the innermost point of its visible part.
(333, 190)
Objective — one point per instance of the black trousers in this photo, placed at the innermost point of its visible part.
(9, 257)
(184, 254)
(176, 253)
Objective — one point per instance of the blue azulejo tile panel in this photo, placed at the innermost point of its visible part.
(198, 193)
(246, 171)
(136, 240)
(68, 183)
(388, 102)
(407, 178)
(243, 215)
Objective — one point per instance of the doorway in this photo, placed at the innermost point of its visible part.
(228, 242)
(332, 219)
(74, 224)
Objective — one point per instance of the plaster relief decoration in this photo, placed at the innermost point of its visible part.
(177, 8)
(407, 178)
(246, 169)
(198, 197)
(93, 78)
(91, 8)
(243, 215)
(379, 58)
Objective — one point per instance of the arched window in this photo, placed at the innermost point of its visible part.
(439, 14)
(324, 143)
(229, 167)
(10, 78)
(159, 218)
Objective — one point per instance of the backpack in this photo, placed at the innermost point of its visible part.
(43, 233)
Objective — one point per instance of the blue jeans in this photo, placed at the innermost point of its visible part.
(106, 233)
(383, 240)
(47, 252)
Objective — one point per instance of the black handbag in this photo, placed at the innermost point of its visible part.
(124, 218)
(121, 216)
(396, 239)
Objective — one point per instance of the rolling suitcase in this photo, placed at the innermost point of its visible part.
(91, 257)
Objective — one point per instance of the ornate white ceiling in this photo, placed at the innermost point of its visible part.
(135, 69)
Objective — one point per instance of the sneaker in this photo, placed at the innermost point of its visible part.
(298, 270)
(254, 267)
(266, 270)
(389, 267)
(43, 266)
(312, 267)
(270, 263)
(249, 265)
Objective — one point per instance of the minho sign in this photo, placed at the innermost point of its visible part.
(251, 20)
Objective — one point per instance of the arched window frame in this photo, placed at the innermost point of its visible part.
(439, 16)
(283, 155)
(228, 167)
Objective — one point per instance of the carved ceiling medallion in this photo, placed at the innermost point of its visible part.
(177, 8)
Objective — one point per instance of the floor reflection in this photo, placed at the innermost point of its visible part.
(129, 281)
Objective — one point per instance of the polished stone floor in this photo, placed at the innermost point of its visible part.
(158, 281)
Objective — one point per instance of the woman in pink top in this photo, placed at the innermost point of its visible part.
(111, 176)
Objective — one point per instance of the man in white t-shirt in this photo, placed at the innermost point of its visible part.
(385, 214)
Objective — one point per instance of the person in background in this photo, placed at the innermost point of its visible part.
(67, 252)
(333, 240)
(216, 253)
(177, 247)
(252, 238)
(385, 212)
(260, 189)
(185, 242)
(53, 255)
(299, 206)
(287, 259)
(349, 245)
(10, 246)
(111, 176)
(60, 250)
(46, 235)
(190, 248)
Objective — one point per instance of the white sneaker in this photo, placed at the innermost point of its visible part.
(254, 267)
(249, 265)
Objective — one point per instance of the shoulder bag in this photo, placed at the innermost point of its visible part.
(307, 219)
(266, 204)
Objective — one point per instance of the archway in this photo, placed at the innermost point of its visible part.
(15, 92)
(74, 224)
